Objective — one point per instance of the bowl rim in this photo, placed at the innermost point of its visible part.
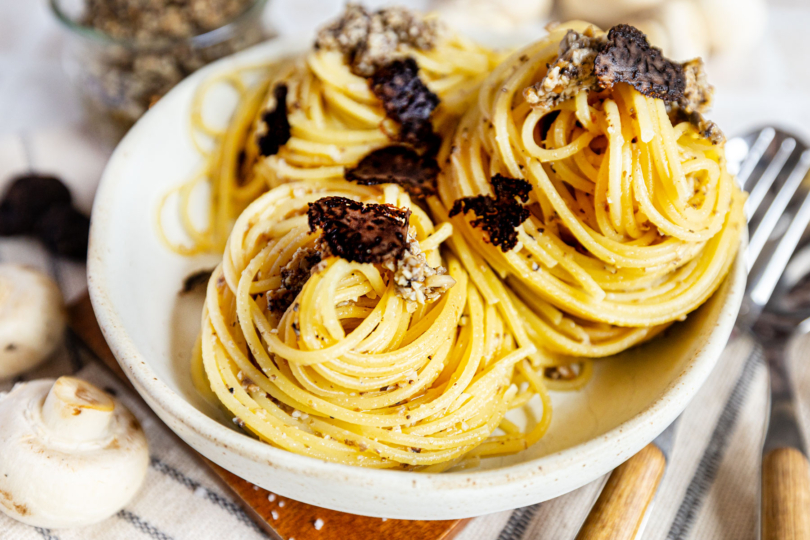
(625, 439)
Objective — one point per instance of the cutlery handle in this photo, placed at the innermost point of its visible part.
(785, 495)
(620, 509)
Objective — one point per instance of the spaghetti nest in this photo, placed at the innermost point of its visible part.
(312, 117)
(630, 221)
(350, 369)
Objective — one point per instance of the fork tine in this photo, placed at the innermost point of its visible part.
(768, 177)
(762, 290)
(754, 155)
(776, 209)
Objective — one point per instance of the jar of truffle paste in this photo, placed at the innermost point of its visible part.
(123, 55)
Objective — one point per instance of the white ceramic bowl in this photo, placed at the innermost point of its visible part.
(134, 282)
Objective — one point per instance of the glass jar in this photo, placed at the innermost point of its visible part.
(119, 79)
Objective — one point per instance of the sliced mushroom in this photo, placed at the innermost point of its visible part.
(70, 455)
(32, 318)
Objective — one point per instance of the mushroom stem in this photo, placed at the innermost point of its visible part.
(77, 411)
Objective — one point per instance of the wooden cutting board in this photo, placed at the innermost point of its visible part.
(293, 519)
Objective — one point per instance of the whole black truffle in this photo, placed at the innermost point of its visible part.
(26, 199)
(64, 231)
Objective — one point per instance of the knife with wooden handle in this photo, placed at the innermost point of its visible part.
(621, 509)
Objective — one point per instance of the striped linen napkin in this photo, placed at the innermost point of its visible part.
(709, 490)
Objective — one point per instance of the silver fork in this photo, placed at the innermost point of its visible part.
(771, 164)
(785, 478)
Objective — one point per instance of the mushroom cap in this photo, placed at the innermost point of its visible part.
(48, 479)
(32, 318)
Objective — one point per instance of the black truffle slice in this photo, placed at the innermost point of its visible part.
(26, 199)
(397, 165)
(278, 125)
(407, 101)
(510, 188)
(498, 216)
(294, 276)
(628, 57)
(364, 233)
(64, 231)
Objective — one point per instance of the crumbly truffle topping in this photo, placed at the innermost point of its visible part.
(588, 62)
(294, 275)
(696, 100)
(416, 281)
(277, 125)
(358, 232)
(698, 93)
(571, 73)
(397, 165)
(628, 57)
(368, 41)
(408, 101)
(498, 216)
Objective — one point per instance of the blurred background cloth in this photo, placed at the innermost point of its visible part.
(710, 489)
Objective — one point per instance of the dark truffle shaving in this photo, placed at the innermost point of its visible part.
(276, 123)
(509, 188)
(628, 57)
(587, 62)
(407, 101)
(293, 277)
(397, 165)
(498, 216)
(196, 280)
(357, 232)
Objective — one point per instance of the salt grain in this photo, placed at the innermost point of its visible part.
(318, 524)
(274, 514)
(271, 497)
(281, 504)
(200, 492)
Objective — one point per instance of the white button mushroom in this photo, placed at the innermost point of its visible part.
(604, 12)
(734, 25)
(493, 14)
(678, 27)
(32, 318)
(70, 455)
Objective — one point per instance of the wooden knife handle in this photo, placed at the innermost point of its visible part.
(785, 495)
(620, 508)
